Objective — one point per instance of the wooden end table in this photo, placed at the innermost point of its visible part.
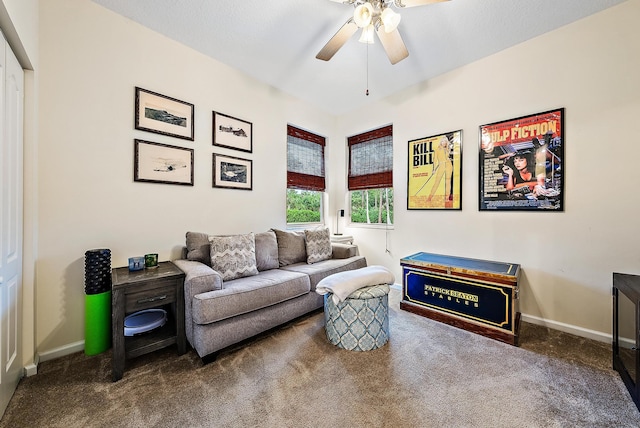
(161, 287)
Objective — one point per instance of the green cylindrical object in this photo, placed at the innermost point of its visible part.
(97, 325)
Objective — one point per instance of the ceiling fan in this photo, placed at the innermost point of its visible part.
(373, 16)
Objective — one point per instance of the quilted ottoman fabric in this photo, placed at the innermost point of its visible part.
(361, 321)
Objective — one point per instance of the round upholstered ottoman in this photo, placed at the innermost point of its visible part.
(361, 321)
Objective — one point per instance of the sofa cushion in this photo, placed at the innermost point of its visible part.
(320, 270)
(266, 250)
(199, 277)
(244, 295)
(343, 251)
(198, 247)
(291, 247)
(234, 256)
(318, 245)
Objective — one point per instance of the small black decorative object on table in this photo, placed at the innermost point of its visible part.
(476, 295)
(140, 290)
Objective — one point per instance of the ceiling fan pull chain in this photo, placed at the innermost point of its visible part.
(367, 92)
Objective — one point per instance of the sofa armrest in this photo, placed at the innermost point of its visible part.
(343, 251)
(199, 278)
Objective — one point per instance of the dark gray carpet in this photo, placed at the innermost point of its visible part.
(428, 375)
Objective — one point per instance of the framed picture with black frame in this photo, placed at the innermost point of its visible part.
(434, 179)
(162, 163)
(232, 133)
(164, 115)
(522, 163)
(232, 172)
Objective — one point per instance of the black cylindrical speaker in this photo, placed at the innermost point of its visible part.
(97, 271)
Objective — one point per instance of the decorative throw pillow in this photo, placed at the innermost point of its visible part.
(198, 247)
(233, 256)
(291, 247)
(318, 245)
(266, 251)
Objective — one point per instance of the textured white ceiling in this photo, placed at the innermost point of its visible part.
(276, 41)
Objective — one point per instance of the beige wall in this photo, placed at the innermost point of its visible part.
(91, 59)
(591, 69)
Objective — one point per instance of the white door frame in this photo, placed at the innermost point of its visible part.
(11, 221)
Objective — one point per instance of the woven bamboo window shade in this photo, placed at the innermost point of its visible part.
(305, 160)
(371, 159)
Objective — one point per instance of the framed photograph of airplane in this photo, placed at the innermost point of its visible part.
(232, 133)
(232, 172)
(161, 163)
(163, 115)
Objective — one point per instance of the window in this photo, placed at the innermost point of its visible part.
(371, 176)
(305, 176)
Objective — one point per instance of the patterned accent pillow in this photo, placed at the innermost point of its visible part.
(318, 245)
(233, 256)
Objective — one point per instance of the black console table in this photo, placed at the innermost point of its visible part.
(626, 317)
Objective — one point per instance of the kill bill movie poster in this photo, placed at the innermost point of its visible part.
(435, 172)
(522, 163)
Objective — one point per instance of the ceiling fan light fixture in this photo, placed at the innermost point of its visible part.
(383, 21)
(390, 20)
(363, 15)
(367, 35)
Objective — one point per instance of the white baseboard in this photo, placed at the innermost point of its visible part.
(72, 348)
(62, 351)
(32, 369)
(568, 328)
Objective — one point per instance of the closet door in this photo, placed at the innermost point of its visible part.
(11, 190)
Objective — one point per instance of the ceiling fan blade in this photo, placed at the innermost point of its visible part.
(393, 44)
(338, 40)
(412, 3)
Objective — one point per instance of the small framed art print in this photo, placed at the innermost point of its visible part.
(232, 172)
(232, 133)
(164, 115)
(161, 163)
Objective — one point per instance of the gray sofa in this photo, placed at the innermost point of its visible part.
(241, 285)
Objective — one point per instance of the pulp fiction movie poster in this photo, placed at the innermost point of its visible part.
(522, 163)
